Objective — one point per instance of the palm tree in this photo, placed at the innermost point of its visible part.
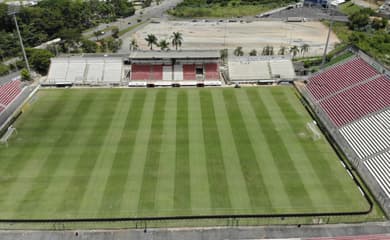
(253, 52)
(304, 49)
(238, 51)
(151, 39)
(268, 50)
(133, 45)
(282, 50)
(163, 44)
(294, 50)
(177, 39)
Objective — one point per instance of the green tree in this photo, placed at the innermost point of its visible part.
(268, 51)
(115, 32)
(133, 45)
(358, 20)
(253, 52)
(88, 46)
(113, 44)
(97, 34)
(177, 39)
(163, 44)
(304, 49)
(282, 50)
(25, 75)
(39, 60)
(238, 51)
(151, 39)
(294, 50)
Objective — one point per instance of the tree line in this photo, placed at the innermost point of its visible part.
(65, 19)
(269, 51)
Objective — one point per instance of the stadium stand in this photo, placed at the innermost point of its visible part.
(282, 68)
(189, 72)
(352, 99)
(339, 77)
(76, 71)
(89, 69)
(178, 72)
(212, 72)
(368, 135)
(167, 73)
(379, 167)
(112, 70)
(179, 68)
(140, 72)
(358, 101)
(94, 71)
(8, 92)
(157, 72)
(58, 70)
(260, 69)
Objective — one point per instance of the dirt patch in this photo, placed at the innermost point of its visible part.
(252, 35)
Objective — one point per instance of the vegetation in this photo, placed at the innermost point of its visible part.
(366, 31)
(151, 39)
(161, 152)
(57, 18)
(163, 44)
(268, 51)
(177, 39)
(225, 8)
(39, 60)
(25, 74)
(4, 69)
(238, 51)
(253, 52)
(294, 50)
(133, 45)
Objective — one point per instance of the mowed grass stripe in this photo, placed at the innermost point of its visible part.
(105, 159)
(57, 190)
(276, 188)
(249, 166)
(297, 193)
(219, 192)
(78, 184)
(200, 189)
(13, 159)
(238, 191)
(151, 168)
(49, 170)
(182, 195)
(116, 183)
(32, 157)
(318, 196)
(329, 178)
(166, 174)
(132, 190)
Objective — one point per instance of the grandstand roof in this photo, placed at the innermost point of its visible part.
(182, 54)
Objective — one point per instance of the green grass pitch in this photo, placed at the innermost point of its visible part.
(95, 153)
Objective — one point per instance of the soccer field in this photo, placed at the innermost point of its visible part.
(96, 153)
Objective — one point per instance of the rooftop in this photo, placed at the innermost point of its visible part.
(182, 54)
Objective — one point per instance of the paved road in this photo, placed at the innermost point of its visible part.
(154, 11)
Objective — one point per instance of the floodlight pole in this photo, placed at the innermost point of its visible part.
(327, 38)
(13, 13)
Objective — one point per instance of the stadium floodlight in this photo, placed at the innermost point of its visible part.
(328, 6)
(13, 9)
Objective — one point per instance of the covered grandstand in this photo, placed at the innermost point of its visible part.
(352, 100)
(87, 70)
(260, 69)
(174, 67)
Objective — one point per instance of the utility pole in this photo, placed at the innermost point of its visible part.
(13, 10)
(327, 38)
